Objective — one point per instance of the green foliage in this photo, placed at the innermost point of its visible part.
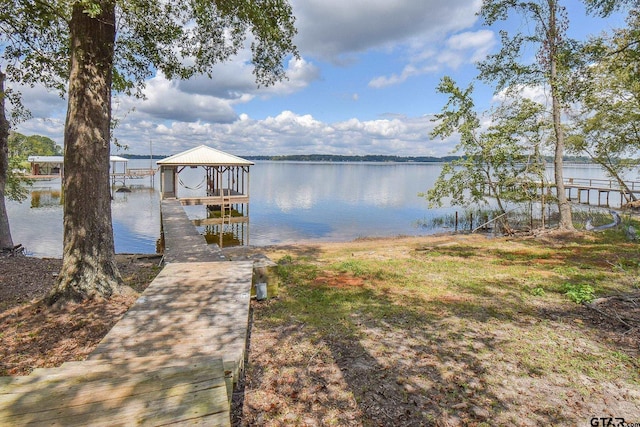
(538, 291)
(513, 68)
(179, 39)
(14, 188)
(579, 292)
(606, 124)
(22, 146)
(501, 162)
(294, 271)
(607, 7)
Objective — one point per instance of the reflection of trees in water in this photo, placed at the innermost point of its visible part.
(42, 198)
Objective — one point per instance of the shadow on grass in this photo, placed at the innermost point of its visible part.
(397, 361)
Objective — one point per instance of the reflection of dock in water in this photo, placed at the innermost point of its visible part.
(43, 198)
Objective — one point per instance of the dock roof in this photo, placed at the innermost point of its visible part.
(204, 156)
(60, 159)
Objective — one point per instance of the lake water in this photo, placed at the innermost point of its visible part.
(290, 202)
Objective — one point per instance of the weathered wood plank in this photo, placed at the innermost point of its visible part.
(167, 395)
(106, 369)
(182, 242)
(190, 310)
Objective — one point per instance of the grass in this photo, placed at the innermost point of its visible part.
(464, 322)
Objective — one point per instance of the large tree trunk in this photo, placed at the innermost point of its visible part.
(88, 262)
(6, 242)
(564, 208)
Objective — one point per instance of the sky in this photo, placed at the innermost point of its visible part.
(365, 83)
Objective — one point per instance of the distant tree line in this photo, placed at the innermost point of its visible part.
(379, 158)
(362, 158)
(343, 158)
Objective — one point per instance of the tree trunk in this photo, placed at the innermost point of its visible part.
(564, 208)
(88, 262)
(6, 242)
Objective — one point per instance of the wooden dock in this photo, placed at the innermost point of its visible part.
(603, 188)
(581, 190)
(191, 310)
(172, 359)
(182, 242)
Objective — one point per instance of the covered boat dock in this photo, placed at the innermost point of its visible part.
(52, 167)
(226, 194)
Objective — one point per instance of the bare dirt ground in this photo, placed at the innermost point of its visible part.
(33, 335)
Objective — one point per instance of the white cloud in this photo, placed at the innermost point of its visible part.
(330, 29)
(409, 35)
(460, 49)
(409, 71)
(469, 47)
(290, 133)
(234, 80)
(534, 93)
(43, 102)
(165, 101)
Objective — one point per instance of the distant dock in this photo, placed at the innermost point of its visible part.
(601, 188)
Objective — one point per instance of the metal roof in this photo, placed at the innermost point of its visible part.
(204, 156)
(60, 159)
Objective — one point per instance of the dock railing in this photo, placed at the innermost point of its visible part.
(599, 183)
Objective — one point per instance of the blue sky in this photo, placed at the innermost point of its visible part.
(365, 84)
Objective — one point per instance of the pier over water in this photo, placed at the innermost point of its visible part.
(174, 358)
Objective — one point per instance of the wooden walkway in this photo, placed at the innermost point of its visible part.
(182, 242)
(601, 188)
(173, 358)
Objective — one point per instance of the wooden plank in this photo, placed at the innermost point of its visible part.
(66, 389)
(230, 367)
(189, 310)
(115, 368)
(141, 410)
(182, 241)
(167, 395)
(217, 221)
(230, 351)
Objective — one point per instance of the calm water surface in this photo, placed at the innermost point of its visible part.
(290, 202)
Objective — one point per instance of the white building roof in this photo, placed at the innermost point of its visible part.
(60, 159)
(204, 156)
(46, 159)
